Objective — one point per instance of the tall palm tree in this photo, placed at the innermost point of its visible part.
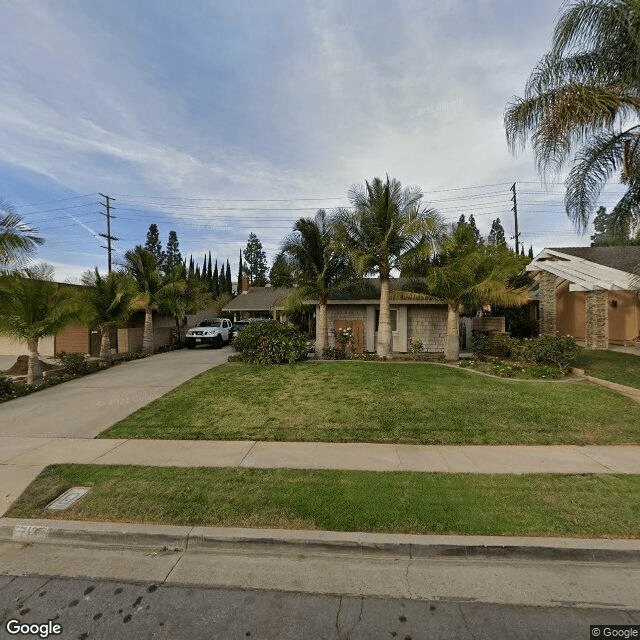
(107, 302)
(34, 307)
(386, 229)
(471, 275)
(319, 267)
(17, 240)
(141, 265)
(584, 96)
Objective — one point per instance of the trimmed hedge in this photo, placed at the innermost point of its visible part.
(270, 343)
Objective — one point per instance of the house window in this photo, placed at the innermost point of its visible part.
(394, 319)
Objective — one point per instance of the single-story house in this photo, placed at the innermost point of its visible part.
(589, 293)
(256, 302)
(358, 307)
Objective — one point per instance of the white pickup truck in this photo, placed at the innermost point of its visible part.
(211, 331)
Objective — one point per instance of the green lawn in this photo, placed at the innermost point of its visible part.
(416, 403)
(398, 502)
(623, 368)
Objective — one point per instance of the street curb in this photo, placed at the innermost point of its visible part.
(303, 542)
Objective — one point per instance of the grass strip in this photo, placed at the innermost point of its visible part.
(622, 368)
(411, 403)
(396, 502)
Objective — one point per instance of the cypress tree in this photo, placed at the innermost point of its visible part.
(239, 286)
(215, 285)
(222, 280)
(229, 285)
(191, 269)
(531, 251)
(198, 276)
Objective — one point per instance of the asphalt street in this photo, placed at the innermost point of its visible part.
(103, 610)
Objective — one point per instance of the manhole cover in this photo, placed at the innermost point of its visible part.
(68, 498)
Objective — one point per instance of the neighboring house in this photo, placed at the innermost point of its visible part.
(79, 338)
(255, 302)
(358, 308)
(589, 293)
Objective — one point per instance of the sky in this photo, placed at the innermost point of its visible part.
(219, 119)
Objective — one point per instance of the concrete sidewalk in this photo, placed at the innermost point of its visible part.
(22, 458)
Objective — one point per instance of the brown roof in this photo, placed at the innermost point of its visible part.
(625, 258)
(259, 299)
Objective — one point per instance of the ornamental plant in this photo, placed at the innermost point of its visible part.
(417, 346)
(344, 337)
(270, 343)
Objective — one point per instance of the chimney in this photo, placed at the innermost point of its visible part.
(245, 284)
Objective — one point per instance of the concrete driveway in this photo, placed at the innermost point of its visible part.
(84, 407)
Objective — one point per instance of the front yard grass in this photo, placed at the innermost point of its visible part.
(622, 368)
(412, 403)
(393, 502)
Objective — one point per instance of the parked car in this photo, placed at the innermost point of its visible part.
(238, 327)
(211, 331)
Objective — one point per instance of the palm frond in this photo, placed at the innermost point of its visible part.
(595, 164)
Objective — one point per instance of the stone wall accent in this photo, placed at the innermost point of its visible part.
(597, 320)
(429, 324)
(547, 297)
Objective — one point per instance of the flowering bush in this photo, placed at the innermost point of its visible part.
(344, 338)
(270, 343)
(76, 364)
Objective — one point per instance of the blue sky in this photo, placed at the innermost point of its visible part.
(217, 119)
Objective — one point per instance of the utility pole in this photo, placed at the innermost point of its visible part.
(515, 215)
(107, 205)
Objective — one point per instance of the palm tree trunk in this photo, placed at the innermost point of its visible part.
(105, 344)
(147, 336)
(452, 342)
(321, 336)
(34, 370)
(384, 327)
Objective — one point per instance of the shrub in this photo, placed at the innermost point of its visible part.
(481, 345)
(553, 350)
(270, 343)
(6, 387)
(76, 363)
(417, 347)
(332, 353)
(365, 355)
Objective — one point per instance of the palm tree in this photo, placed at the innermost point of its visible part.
(107, 302)
(179, 296)
(471, 275)
(386, 229)
(584, 95)
(319, 267)
(17, 240)
(34, 307)
(141, 265)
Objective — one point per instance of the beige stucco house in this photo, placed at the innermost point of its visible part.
(589, 293)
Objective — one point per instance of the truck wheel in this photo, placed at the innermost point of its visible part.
(217, 343)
